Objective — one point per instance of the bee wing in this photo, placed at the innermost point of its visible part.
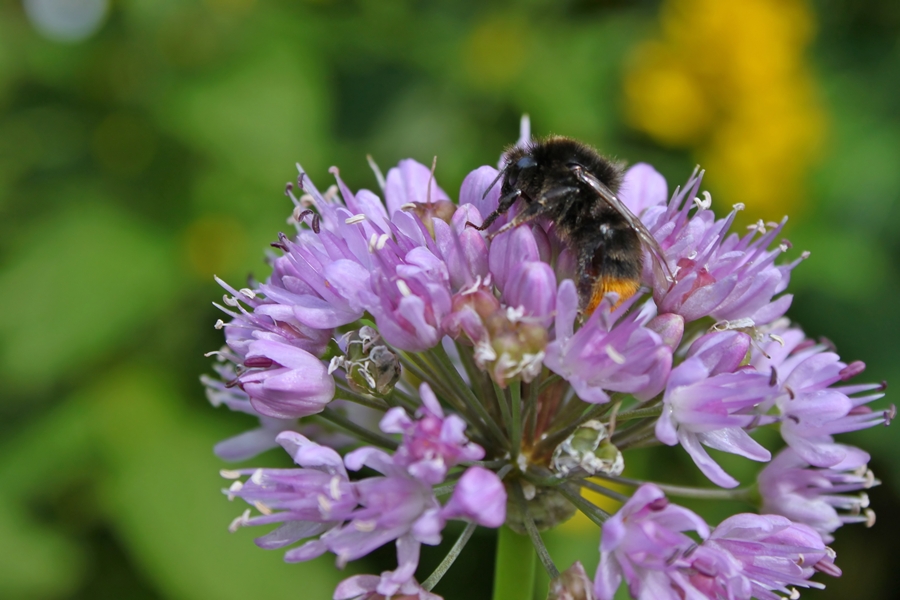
(607, 196)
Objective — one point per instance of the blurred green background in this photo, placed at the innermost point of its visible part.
(144, 147)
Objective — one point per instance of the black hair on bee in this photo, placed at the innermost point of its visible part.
(572, 185)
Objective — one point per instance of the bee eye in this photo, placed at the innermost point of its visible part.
(526, 162)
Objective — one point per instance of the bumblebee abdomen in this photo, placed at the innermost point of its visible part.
(610, 260)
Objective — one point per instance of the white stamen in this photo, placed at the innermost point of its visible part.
(334, 487)
(531, 365)
(408, 206)
(373, 239)
(783, 247)
(229, 474)
(220, 324)
(614, 355)
(213, 353)
(870, 517)
(307, 200)
(240, 521)
(777, 338)
(514, 315)
(364, 369)
(473, 288)
(726, 325)
(529, 490)
(295, 216)
(870, 478)
(759, 226)
(795, 595)
(367, 334)
(248, 292)
(484, 353)
(705, 203)
(522, 463)
(404, 289)
(324, 504)
(738, 206)
(355, 219)
(257, 477)
(336, 363)
(236, 486)
(230, 301)
(262, 508)
(804, 255)
(382, 241)
(364, 526)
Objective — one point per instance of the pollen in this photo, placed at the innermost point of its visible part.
(624, 288)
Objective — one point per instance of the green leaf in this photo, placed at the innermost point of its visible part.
(260, 115)
(163, 497)
(79, 282)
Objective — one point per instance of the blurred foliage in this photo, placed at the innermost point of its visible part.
(730, 81)
(144, 147)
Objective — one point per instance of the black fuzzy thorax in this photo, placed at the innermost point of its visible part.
(604, 244)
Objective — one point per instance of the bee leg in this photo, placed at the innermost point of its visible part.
(531, 212)
(505, 202)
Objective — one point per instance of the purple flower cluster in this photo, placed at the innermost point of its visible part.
(449, 360)
(746, 556)
(352, 518)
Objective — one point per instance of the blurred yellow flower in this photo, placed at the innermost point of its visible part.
(729, 80)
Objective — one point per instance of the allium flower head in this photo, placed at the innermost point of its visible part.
(419, 367)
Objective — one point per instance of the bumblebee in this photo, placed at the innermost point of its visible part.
(573, 186)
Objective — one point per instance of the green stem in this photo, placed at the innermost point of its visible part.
(745, 494)
(343, 393)
(445, 565)
(336, 418)
(502, 403)
(590, 510)
(533, 533)
(445, 365)
(640, 413)
(514, 569)
(515, 405)
(531, 410)
(411, 363)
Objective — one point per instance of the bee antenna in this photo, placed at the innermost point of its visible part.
(494, 182)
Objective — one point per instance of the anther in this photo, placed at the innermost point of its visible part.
(240, 521)
(258, 362)
(870, 517)
(404, 288)
(852, 370)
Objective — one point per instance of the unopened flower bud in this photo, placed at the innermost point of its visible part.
(371, 366)
(572, 584)
(589, 449)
